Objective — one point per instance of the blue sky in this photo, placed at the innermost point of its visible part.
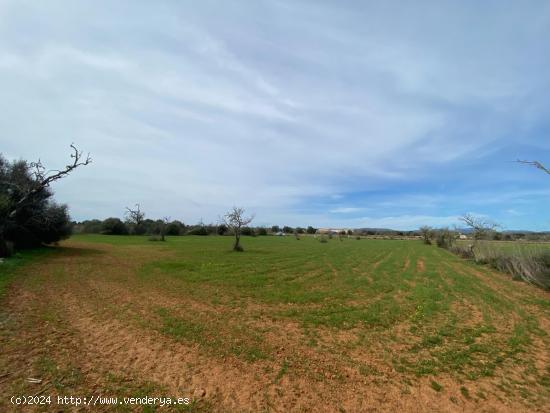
(352, 114)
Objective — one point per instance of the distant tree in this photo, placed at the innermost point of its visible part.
(248, 231)
(445, 238)
(199, 229)
(222, 229)
(262, 231)
(92, 226)
(288, 230)
(114, 226)
(311, 230)
(350, 232)
(27, 215)
(134, 219)
(275, 229)
(164, 227)
(175, 228)
(427, 233)
(300, 230)
(236, 220)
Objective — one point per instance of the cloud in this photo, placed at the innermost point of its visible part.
(345, 210)
(282, 107)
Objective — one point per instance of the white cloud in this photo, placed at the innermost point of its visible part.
(345, 210)
(265, 105)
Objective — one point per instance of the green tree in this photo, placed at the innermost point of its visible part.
(28, 216)
(114, 226)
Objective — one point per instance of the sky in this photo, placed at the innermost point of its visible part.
(325, 113)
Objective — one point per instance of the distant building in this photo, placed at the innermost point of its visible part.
(462, 236)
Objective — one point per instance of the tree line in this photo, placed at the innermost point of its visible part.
(147, 226)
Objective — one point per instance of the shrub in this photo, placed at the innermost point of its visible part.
(427, 234)
(175, 228)
(221, 229)
(445, 238)
(114, 226)
(198, 230)
(323, 239)
(525, 262)
(248, 231)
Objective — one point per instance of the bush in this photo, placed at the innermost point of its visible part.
(114, 226)
(525, 262)
(198, 230)
(323, 239)
(445, 238)
(248, 231)
(28, 216)
(175, 228)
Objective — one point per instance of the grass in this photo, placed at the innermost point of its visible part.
(338, 286)
(9, 265)
(312, 309)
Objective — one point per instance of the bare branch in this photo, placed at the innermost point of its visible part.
(134, 216)
(44, 178)
(480, 226)
(536, 164)
(236, 220)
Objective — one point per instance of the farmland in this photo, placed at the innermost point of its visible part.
(289, 324)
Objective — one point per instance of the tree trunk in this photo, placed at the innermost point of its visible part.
(237, 246)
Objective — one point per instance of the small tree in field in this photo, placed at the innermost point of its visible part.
(427, 234)
(236, 220)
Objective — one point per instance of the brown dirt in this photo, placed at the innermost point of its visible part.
(420, 265)
(92, 319)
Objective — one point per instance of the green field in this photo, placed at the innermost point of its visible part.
(286, 325)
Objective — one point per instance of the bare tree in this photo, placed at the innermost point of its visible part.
(236, 220)
(427, 234)
(536, 164)
(135, 217)
(42, 178)
(480, 226)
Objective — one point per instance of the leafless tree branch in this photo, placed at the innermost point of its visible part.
(44, 178)
(537, 165)
(236, 220)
